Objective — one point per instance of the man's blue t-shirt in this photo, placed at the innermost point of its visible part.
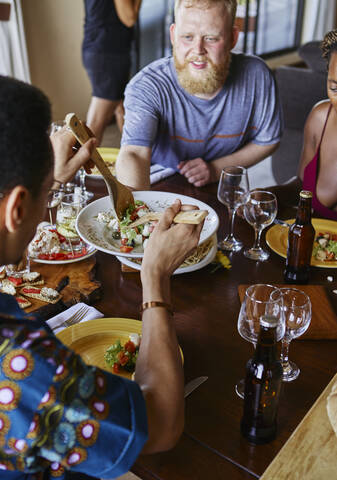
(178, 126)
(58, 414)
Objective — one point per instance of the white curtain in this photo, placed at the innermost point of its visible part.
(319, 18)
(13, 49)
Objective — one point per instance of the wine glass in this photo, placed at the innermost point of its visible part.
(233, 185)
(260, 299)
(297, 315)
(67, 213)
(260, 210)
(53, 200)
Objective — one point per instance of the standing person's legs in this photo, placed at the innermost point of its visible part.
(100, 115)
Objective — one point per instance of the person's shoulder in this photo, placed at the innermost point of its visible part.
(249, 62)
(317, 117)
(158, 69)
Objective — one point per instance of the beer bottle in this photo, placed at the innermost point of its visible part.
(262, 386)
(300, 241)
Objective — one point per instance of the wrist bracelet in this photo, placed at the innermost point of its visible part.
(154, 304)
(57, 181)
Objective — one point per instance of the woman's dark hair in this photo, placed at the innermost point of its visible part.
(329, 44)
(26, 156)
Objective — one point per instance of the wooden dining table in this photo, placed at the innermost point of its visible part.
(206, 306)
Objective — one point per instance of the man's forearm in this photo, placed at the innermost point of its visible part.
(247, 156)
(133, 169)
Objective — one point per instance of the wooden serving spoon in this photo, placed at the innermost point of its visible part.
(120, 196)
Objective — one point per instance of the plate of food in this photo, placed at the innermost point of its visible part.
(109, 155)
(111, 344)
(324, 253)
(98, 227)
(203, 255)
(48, 246)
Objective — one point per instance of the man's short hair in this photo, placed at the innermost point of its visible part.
(25, 151)
(230, 5)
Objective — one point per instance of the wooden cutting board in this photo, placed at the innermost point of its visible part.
(311, 451)
(78, 281)
(323, 324)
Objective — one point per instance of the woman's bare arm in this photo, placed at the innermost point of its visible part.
(127, 11)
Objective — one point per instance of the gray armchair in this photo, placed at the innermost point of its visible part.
(300, 89)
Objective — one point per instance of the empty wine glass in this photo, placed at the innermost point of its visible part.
(260, 210)
(233, 185)
(53, 200)
(260, 299)
(297, 315)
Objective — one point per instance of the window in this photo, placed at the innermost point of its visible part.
(269, 27)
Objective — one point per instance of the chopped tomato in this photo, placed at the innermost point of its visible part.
(15, 280)
(31, 290)
(130, 347)
(124, 241)
(116, 368)
(133, 216)
(140, 207)
(333, 237)
(125, 249)
(330, 256)
(124, 360)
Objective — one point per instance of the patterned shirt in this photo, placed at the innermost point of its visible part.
(56, 413)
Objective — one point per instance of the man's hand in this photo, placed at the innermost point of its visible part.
(197, 171)
(169, 245)
(68, 160)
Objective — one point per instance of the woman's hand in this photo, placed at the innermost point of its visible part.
(68, 160)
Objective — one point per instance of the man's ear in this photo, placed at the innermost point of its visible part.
(235, 35)
(16, 207)
(172, 31)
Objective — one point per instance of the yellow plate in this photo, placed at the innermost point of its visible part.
(277, 239)
(91, 339)
(109, 155)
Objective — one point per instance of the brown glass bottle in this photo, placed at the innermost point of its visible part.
(300, 241)
(262, 386)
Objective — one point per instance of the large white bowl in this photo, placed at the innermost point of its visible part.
(99, 236)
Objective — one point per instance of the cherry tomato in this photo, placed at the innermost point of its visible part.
(124, 360)
(116, 368)
(130, 347)
(125, 249)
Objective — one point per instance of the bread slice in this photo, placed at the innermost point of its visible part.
(22, 301)
(32, 278)
(7, 287)
(45, 294)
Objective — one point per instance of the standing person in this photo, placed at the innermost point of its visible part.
(106, 48)
(58, 414)
(203, 108)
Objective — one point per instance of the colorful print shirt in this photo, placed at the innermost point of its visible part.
(57, 414)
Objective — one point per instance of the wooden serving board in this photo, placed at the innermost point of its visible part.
(311, 451)
(78, 278)
(323, 324)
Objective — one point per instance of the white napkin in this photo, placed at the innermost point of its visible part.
(56, 322)
(158, 172)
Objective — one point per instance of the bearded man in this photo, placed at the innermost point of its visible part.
(203, 108)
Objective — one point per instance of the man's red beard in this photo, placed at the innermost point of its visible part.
(211, 78)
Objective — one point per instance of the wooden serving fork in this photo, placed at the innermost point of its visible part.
(120, 196)
(192, 217)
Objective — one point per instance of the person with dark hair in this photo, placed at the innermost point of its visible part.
(58, 415)
(106, 55)
(202, 109)
(318, 165)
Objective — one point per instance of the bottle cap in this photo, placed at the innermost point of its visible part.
(269, 321)
(305, 194)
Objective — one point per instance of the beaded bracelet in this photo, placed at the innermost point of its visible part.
(154, 304)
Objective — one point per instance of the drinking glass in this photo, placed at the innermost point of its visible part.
(297, 314)
(19, 269)
(53, 200)
(67, 212)
(260, 210)
(233, 185)
(260, 299)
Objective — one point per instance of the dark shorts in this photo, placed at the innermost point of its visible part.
(108, 73)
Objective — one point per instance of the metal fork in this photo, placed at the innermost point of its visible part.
(75, 318)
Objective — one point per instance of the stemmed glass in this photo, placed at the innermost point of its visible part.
(260, 299)
(297, 314)
(232, 188)
(260, 210)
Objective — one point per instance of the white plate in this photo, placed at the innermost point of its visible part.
(189, 268)
(91, 251)
(99, 236)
